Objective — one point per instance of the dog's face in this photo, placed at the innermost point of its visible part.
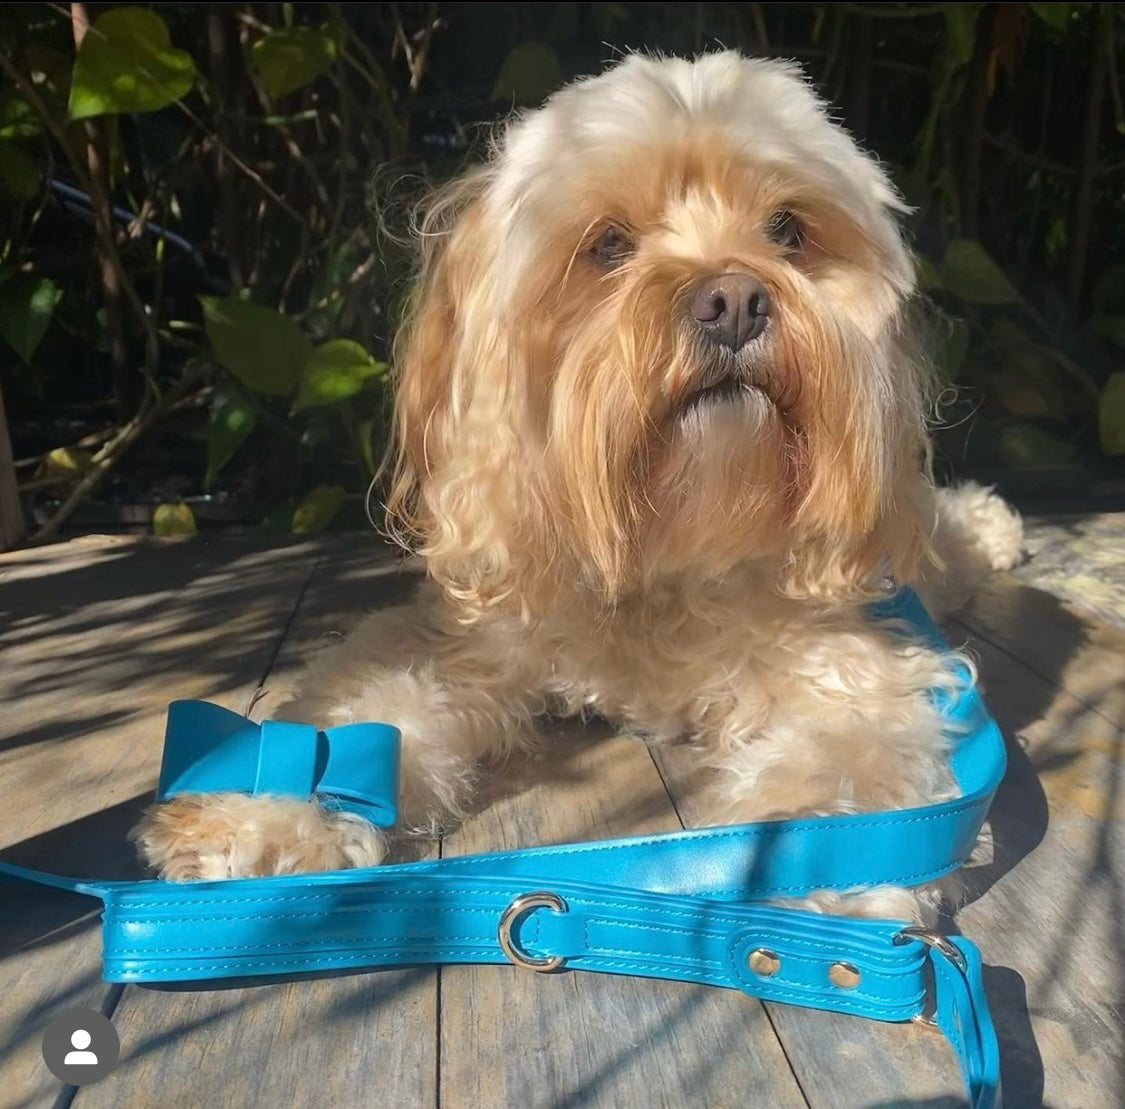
(659, 334)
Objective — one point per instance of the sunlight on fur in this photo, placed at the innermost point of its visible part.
(660, 432)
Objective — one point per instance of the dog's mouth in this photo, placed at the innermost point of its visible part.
(726, 390)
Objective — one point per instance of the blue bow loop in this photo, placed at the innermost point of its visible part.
(352, 767)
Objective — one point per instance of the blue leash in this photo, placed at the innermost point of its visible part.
(688, 905)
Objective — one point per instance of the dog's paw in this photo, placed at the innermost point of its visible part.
(231, 835)
(987, 523)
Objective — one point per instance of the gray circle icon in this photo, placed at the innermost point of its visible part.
(80, 1046)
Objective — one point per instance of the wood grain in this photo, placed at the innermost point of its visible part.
(96, 636)
(349, 1039)
(513, 1037)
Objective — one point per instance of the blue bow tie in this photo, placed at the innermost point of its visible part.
(209, 749)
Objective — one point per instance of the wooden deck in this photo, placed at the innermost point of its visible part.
(97, 635)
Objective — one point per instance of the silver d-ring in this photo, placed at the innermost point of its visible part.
(935, 940)
(539, 899)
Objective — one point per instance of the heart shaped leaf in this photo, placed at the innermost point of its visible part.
(969, 272)
(289, 58)
(262, 348)
(127, 63)
(231, 422)
(173, 519)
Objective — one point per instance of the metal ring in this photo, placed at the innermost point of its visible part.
(540, 899)
(935, 940)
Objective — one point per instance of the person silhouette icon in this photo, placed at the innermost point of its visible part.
(80, 1040)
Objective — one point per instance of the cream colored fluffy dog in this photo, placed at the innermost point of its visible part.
(660, 435)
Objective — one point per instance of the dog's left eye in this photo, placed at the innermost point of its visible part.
(785, 229)
(612, 247)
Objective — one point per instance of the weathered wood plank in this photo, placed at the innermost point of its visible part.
(1047, 910)
(347, 1040)
(96, 636)
(511, 1037)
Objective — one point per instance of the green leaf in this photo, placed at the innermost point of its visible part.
(66, 463)
(127, 63)
(1056, 16)
(19, 172)
(262, 348)
(970, 273)
(960, 31)
(26, 306)
(231, 422)
(173, 519)
(365, 444)
(17, 118)
(337, 370)
(1111, 415)
(1027, 447)
(292, 57)
(316, 511)
(529, 74)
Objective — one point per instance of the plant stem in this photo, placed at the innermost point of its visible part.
(1082, 212)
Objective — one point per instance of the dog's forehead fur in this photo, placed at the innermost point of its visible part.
(763, 110)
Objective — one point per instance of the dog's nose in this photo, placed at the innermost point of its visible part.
(731, 308)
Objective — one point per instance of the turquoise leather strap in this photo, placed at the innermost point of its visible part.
(691, 905)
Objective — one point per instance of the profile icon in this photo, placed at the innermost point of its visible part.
(80, 1046)
(80, 1041)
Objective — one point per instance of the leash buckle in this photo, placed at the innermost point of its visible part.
(539, 899)
(939, 943)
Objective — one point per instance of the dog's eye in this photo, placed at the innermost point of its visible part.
(612, 247)
(785, 229)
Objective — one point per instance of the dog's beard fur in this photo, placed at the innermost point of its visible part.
(563, 426)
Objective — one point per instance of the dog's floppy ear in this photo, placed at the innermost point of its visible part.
(461, 493)
(426, 354)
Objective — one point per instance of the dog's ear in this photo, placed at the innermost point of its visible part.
(461, 493)
(426, 353)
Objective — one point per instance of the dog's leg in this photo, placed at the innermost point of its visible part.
(849, 728)
(457, 699)
(975, 533)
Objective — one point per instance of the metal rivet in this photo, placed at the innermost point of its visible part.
(844, 975)
(763, 962)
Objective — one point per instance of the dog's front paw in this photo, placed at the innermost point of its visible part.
(231, 835)
(986, 524)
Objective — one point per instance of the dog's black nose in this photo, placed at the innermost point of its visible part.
(731, 308)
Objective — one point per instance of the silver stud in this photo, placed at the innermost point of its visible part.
(763, 962)
(844, 975)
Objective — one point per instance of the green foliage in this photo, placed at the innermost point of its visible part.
(173, 519)
(258, 149)
(335, 371)
(127, 63)
(262, 348)
(290, 58)
(317, 510)
(26, 306)
(230, 424)
(530, 72)
(969, 272)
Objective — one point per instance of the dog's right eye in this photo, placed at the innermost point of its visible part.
(612, 247)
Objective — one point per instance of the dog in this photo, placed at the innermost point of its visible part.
(660, 434)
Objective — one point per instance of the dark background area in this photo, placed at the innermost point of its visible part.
(266, 154)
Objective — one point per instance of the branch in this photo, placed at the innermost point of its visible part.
(108, 457)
